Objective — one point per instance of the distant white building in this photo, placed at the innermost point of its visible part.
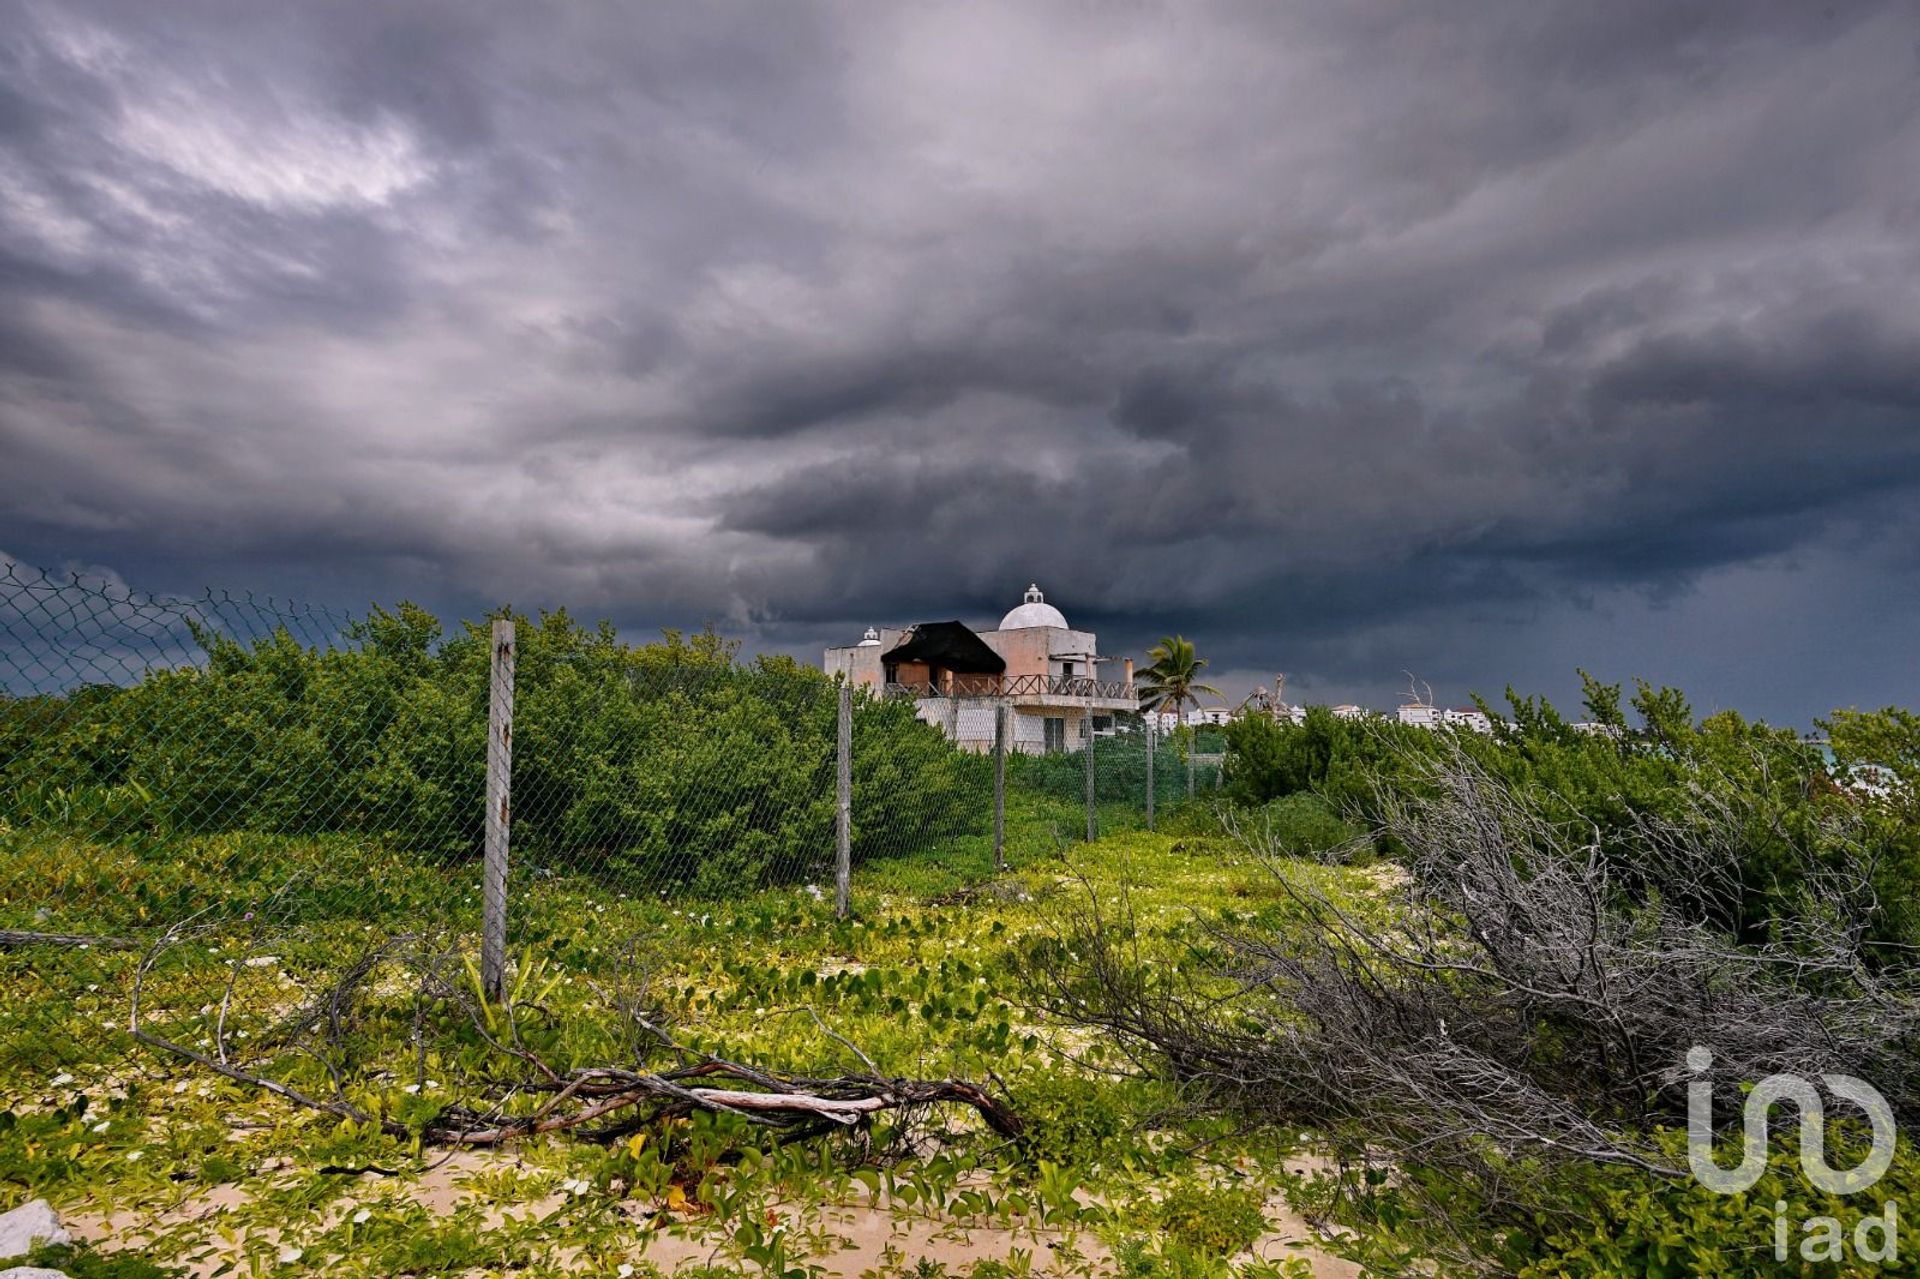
(1469, 717)
(1422, 715)
(1166, 721)
(1348, 710)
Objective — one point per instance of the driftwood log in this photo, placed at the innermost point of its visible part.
(630, 1099)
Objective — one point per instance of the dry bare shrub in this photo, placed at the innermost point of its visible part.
(1509, 1003)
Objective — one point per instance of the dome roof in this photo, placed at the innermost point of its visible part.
(1035, 612)
(870, 640)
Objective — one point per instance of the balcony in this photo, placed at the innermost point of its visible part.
(1038, 689)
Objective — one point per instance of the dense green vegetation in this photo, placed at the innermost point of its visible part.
(1666, 765)
(654, 765)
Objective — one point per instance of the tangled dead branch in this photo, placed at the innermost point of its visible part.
(524, 1094)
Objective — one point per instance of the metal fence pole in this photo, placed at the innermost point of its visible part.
(1192, 744)
(843, 850)
(1000, 786)
(1093, 824)
(1149, 774)
(493, 935)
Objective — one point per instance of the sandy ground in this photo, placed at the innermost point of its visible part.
(864, 1238)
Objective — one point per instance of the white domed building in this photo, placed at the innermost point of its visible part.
(1035, 663)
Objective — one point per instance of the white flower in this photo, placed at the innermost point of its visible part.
(623, 1270)
(60, 1081)
(133, 1156)
(103, 1125)
(411, 1089)
(290, 1255)
(263, 961)
(359, 1218)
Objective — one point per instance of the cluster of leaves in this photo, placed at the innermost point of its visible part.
(1608, 776)
(1221, 1220)
(662, 764)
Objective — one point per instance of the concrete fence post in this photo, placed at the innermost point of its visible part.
(493, 933)
(843, 825)
(999, 786)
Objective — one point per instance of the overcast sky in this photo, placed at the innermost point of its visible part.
(1483, 341)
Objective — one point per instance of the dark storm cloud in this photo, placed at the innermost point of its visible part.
(1346, 339)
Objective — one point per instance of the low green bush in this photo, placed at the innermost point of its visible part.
(1303, 825)
(1216, 1221)
(1623, 1221)
(1071, 1119)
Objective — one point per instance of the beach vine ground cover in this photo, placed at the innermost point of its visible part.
(162, 1163)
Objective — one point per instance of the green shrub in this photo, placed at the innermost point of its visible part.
(1070, 1119)
(1215, 1221)
(1628, 1222)
(663, 764)
(1303, 825)
(1794, 810)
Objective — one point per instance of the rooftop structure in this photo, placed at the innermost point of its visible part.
(1033, 611)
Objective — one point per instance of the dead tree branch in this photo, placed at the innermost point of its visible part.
(525, 1094)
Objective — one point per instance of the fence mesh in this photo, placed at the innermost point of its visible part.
(241, 771)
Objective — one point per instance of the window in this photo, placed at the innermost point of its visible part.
(1055, 727)
(1103, 723)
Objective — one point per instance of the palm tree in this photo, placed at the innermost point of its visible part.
(1173, 677)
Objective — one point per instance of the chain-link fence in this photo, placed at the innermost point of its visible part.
(254, 764)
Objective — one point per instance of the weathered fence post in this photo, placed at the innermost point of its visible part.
(493, 934)
(843, 827)
(1150, 732)
(999, 786)
(1093, 823)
